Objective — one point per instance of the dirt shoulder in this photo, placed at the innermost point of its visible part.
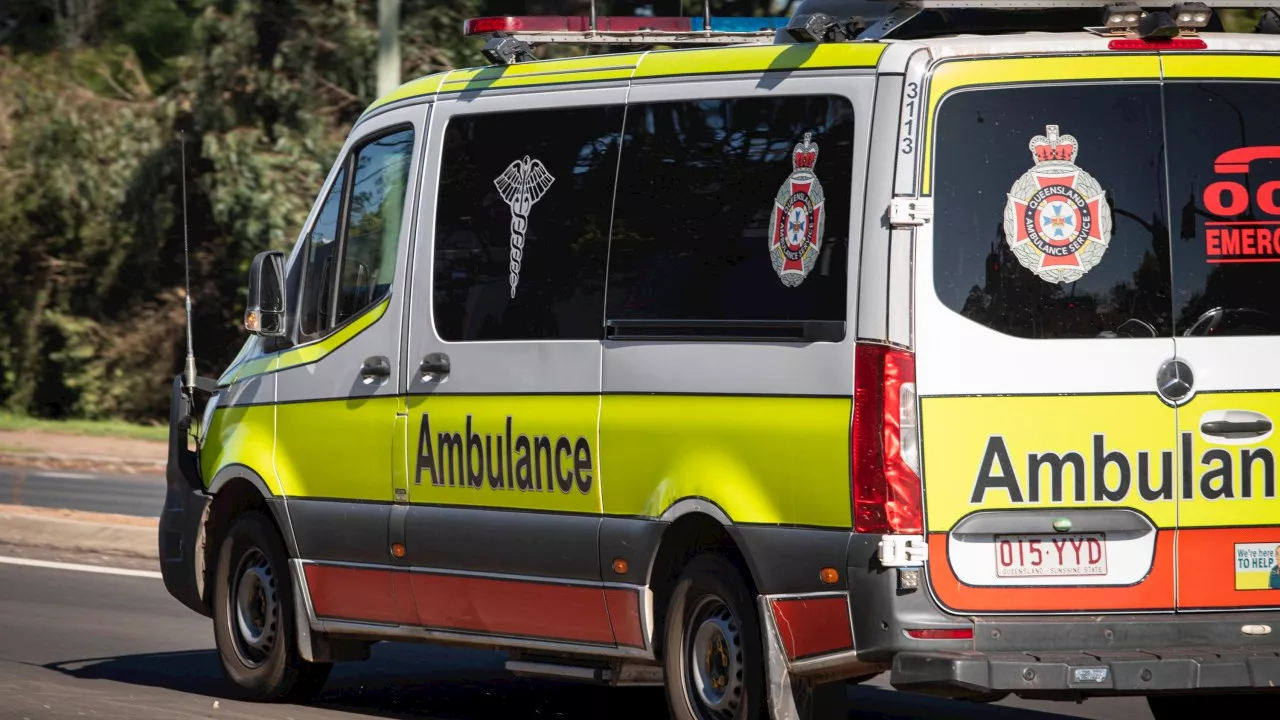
(52, 450)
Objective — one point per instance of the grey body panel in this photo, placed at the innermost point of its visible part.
(255, 390)
(872, 286)
(634, 540)
(336, 531)
(788, 561)
(742, 368)
(503, 542)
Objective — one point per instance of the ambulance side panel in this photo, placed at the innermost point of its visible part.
(697, 416)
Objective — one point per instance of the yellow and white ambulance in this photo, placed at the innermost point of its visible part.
(929, 338)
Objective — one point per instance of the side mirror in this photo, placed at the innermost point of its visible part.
(264, 313)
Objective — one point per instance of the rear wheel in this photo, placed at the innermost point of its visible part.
(713, 658)
(253, 620)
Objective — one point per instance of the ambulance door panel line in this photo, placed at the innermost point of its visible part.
(502, 393)
(1177, 424)
(735, 368)
(422, 205)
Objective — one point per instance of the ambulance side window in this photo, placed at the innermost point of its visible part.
(703, 184)
(1224, 174)
(373, 225)
(351, 248)
(1096, 207)
(321, 255)
(522, 224)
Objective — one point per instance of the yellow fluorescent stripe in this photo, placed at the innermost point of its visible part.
(306, 353)
(428, 85)
(597, 68)
(758, 58)
(529, 452)
(772, 460)
(1045, 452)
(315, 351)
(1222, 66)
(950, 76)
(336, 448)
(240, 436)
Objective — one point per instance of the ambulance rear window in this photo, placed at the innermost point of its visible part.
(1224, 170)
(709, 191)
(1050, 218)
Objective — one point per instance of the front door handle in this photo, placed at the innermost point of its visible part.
(375, 370)
(435, 367)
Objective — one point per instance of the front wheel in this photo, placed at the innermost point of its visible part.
(714, 658)
(253, 620)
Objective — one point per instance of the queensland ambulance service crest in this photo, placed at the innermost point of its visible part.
(1057, 221)
(795, 238)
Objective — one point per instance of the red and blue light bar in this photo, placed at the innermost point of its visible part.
(616, 24)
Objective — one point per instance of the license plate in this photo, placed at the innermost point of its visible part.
(1056, 555)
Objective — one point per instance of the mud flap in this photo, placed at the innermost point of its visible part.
(789, 697)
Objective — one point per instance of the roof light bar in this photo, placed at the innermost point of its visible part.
(565, 24)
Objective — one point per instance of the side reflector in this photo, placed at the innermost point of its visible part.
(940, 633)
(1190, 43)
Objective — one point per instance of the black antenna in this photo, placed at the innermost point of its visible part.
(189, 371)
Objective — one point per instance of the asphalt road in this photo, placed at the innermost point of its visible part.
(140, 495)
(75, 644)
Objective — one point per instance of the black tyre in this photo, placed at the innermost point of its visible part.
(253, 616)
(1251, 705)
(713, 651)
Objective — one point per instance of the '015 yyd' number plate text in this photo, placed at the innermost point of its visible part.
(1051, 555)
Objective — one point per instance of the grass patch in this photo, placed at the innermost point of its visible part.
(101, 428)
(14, 448)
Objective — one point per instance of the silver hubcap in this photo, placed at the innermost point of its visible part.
(256, 608)
(714, 642)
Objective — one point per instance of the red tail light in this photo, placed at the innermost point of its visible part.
(885, 442)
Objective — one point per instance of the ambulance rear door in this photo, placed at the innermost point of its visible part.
(1043, 331)
(1224, 180)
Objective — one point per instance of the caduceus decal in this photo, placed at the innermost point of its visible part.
(522, 184)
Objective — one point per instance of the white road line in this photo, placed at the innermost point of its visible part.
(66, 476)
(81, 568)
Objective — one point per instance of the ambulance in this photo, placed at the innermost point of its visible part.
(935, 339)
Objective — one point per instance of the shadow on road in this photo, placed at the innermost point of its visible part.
(418, 683)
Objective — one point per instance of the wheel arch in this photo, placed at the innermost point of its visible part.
(236, 489)
(694, 526)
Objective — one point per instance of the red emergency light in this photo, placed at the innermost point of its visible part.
(514, 24)
(1179, 43)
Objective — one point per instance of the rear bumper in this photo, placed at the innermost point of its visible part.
(1062, 675)
(1053, 657)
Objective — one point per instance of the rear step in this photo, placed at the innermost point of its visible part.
(1062, 674)
(616, 674)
